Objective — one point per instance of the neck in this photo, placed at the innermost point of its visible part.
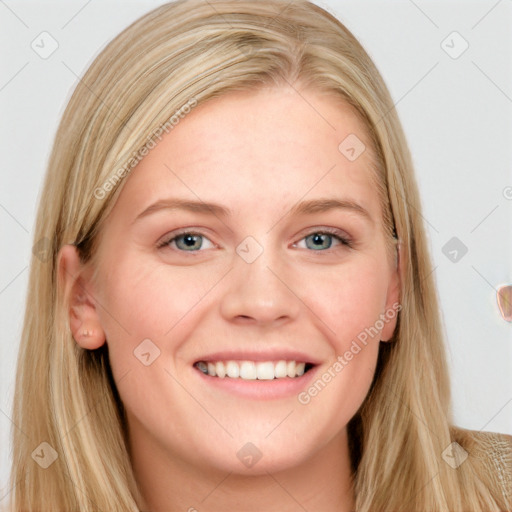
(168, 484)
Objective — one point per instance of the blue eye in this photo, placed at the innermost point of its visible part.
(317, 241)
(323, 240)
(187, 242)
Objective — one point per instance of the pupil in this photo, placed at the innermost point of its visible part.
(189, 240)
(320, 240)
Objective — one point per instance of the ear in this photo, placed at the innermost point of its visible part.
(74, 277)
(393, 305)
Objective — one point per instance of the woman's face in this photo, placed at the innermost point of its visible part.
(248, 241)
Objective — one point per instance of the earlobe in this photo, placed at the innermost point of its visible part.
(81, 306)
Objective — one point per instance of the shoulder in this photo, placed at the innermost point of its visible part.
(490, 454)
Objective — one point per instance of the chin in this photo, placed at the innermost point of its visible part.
(260, 455)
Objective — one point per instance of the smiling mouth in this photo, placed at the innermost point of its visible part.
(254, 370)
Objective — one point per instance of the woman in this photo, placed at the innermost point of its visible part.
(238, 310)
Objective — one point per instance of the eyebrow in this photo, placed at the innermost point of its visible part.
(303, 208)
(326, 204)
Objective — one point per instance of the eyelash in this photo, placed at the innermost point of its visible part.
(335, 233)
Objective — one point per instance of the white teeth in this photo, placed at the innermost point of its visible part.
(265, 371)
(250, 370)
(220, 370)
(280, 370)
(232, 369)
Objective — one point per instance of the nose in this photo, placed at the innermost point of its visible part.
(260, 293)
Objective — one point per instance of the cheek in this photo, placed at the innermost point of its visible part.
(349, 304)
(147, 301)
(350, 300)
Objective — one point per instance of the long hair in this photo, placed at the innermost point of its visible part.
(179, 55)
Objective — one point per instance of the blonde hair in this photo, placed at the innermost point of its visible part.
(194, 51)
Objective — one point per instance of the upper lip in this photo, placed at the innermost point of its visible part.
(268, 355)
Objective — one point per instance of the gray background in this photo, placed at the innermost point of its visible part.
(456, 113)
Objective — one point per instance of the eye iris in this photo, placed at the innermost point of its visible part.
(188, 241)
(320, 241)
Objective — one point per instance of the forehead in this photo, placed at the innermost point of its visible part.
(266, 148)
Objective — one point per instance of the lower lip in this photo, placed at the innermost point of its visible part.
(260, 389)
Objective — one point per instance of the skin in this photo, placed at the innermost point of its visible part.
(257, 153)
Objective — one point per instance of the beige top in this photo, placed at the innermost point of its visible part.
(491, 456)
